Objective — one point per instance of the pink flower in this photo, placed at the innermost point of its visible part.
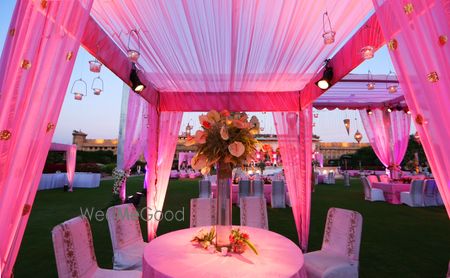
(206, 125)
(224, 133)
(205, 171)
(225, 113)
(239, 124)
(199, 162)
(236, 149)
(200, 137)
(213, 116)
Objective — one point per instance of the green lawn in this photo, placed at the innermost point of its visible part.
(397, 241)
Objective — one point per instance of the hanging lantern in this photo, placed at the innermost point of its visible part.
(316, 115)
(347, 125)
(367, 52)
(95, 65)
(370, 83)
(97, 86)
(328, 33)
(391, 82)
(417, 137)
(133, 54)
(358, 136)
(77, 90)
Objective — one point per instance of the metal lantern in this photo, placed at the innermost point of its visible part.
(367, 52)
(77, 91)
(134, 54)
(370, 83)
(97, 85)
(328, 33)
(391, 82)
(95, 65)
(358, 136)
(347, 125)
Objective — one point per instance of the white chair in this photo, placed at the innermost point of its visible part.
(278, 195)
(384, 178)
(413, 198)
(258, 188)
(74, 252)
(339, 255)
(370, 193)
(430, 192)
(203, 212)
(126, 237)
(244, 189)
(204, 189)
(331, 178)
(254, 212)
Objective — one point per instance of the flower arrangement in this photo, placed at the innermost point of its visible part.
(119, 177)
(239, 241)
(226, 137)
(204, 238)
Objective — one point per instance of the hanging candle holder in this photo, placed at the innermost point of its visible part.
(133, 54)
(391, 82)
(77, 90)
(328, 33)
(97, 85)
(370, 83)
(95, 65)
(358, 136)
(347, 125)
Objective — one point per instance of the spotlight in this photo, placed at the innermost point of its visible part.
(389, 110)
(399, 108)
(136, 83)
(369, 111)
(325, 82)
(407, 111)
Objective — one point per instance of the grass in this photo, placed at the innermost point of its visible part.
(397, 241)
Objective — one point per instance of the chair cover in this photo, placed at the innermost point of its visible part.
(244, 188)
(430, 192)
(371, 194)
(213, 179)
(254, 212)
(413, 198)
(74, 252)
(204, 189)
(331, 178)
(278, 196)
(203, 212)
(339, 255)
(258, 188)
(125, 230)
(372, 179)
(384, 178)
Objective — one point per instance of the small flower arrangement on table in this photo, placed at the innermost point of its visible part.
(240, 241)
(205, 238)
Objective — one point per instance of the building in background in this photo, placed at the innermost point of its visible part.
(92, 145)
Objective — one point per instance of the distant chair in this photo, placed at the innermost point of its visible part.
(258, 188)
(254, 212)
(203, 212)
(278, 196)
(372, 179)
(339, 255)
(74, 252)
(126, 236)
(370, 193)
(244, 188)
(413, 198)
(430, 192)
(213, 179)
(331, 178)
(204, 189)
(384, 178)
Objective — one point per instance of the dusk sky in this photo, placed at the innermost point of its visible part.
(98, 116)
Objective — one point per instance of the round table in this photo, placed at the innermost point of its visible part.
(173, 255)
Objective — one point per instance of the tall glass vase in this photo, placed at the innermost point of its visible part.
(224, 204)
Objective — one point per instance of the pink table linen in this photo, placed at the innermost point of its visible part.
(173, 255)
(392, 190)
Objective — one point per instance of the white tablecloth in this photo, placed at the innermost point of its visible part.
(173, 255)
(58, 180)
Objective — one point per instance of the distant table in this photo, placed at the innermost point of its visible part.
(58, 180)
(392, 190)
(86, 180)
(235, 193)
(173, 255)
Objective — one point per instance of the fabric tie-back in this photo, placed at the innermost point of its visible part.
(35, 68)
(162, 138)
(388, 134)
(417, 33)
(133, 136)
(294, 133)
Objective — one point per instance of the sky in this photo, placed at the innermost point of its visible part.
(98, 116)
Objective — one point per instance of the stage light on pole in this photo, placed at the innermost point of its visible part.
(325, 82)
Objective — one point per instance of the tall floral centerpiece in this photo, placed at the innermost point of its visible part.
(225, 141)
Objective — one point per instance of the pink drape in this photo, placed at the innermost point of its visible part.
(35, 69)
(294, 133)
(163, 129)
(388, 134)
(421, 59)
(131, 147)
(71, 159)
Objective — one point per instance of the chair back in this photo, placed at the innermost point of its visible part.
(372, 179)
(430, 193)
(213, 179)
(74, 249)
(416, 192)
(204, 189)
(342, 234)
(244, 188)
(367, 188)
(278, 196)
(384, 178)
(124, 227)
(203, 212)
(258, 188)
(254, 212)
(331, 178)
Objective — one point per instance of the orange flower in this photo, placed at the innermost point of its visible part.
(225, 113)
(200, 137)
(224, 133)
(213, 116)
(236, 149)
(199, 162)
(239, 124)
(205, 171)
